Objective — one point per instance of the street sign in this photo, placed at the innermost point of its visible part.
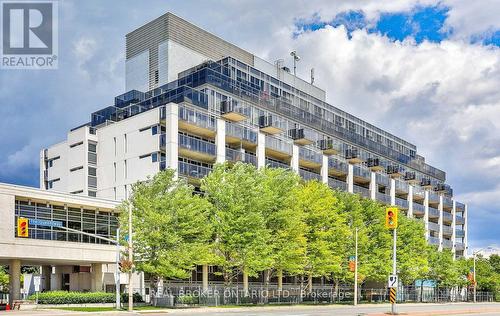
(392, 295)
(43, 222)
(392, 281)
(36, 282)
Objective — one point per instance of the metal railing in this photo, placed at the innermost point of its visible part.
(308, 175)
(337, 184)
(278, 145)
(401, 186)
(447, 217)
(361, 172)
(384, 198)
(197, 118)
(310, 155)
(382, 179)
(433, 212)
(459, 220)
(447, 243)
(433, 240)
(241, 132)
(335, 163)
(192, 170)
(459, 233)
(401, 203)
(433, 226)
(447, 230)
(196, 144)
(276, 164)
(364, 192)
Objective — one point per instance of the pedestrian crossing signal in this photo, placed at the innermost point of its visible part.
(391, 218)
(22, 227)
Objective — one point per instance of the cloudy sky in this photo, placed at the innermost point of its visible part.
(428, 71)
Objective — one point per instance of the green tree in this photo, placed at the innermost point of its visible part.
(326, 230)
(442, 267)
(412, 262)
(241, 240)
(4, 279)
(171, 227)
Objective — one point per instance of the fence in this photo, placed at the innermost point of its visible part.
(187, 295)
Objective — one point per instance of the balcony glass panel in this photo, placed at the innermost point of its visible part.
(459, 220)
(337, 184)
(433, 212)
(459, 233)
(384, 198)
(278, 145)
(433, 197)
(447, 201)
(335, 163)
(276, 164)
(460, 206)
(459, 246)
(250, 158)
(194, 171)
(382, 179)
(241, 132)
(310, 155)
(196, 144)
(418, 209)
(434, 241)
(364, 192)
(434, 226)
(401, 186)
(447, 230)
(361, 172)
(233, 154)
(308, 175)
(447, 217)
(197, 118)
(402, 203)
(447, 244)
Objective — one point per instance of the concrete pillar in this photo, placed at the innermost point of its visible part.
(392, 191)
(261, 150)
(220, 141)
(294, 163)
(373, 185)
(96, 277)
(324, 169)
(453, 229)
(242, 151)
(14, 280)
(466, 230)
(426, 214)
(350, 178)
(410, 201)
(46, 275)
(440, 221)
(205, 277)
(172, 136)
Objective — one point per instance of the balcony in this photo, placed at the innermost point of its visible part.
(374, 164)
(459, 220)
(382, 179)
(383, 198)
(441, 188)
(447, 203)
(308, 175)
(460, 206)
(410, 177)
(278, 148)
(418, 193)
(233, 110)
(425, 183)
(235, 155)
(329, 146)
(352, 156)
(337, 167)
(448, 244)
(337, 184)
(364, 192)
(459, 233)
(447, 230)
(197, 149)
(447, 217)
(434, 227)
(433, 198)
(459, 246)
(301, 136)
(196, 122)
(192, 171)
(433, 212)
(276, 164)
(402, 203)
(309, 158)
(418, 209)
(394, 171)
(401, 187)
(270, 125)
(361, 174)
(237, 134)
(434, 240)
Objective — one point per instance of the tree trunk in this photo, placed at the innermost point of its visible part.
(309, 283)
(245, 282)
(205, 277)
(280, 280)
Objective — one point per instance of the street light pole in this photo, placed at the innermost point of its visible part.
(393, 306)
(117, 273)
(356, 269)
(475, 283)
(130, 257)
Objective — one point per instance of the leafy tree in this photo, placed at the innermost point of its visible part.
(412, 261)
(171, 227)
(326, 230)
(4, 279)
(442, 268)
(241, 241)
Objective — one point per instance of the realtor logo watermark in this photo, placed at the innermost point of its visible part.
(29, 35)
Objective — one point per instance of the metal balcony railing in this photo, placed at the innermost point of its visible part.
(459, 220)
(447, 201)
(401, 203)
(192, 171)
(310, 155)
(195, 144)
(337, 164)
(384, 198)
(308, 175)
(459, 246)
(275, 164)
(364, 192)
(382, 179)
(329, 146)
(460, 206)
(433, 197)
(361, 172)
(233, 155)
(337, 184)
(278, 145)
(250, 158)
(241, 132)
(197, 118)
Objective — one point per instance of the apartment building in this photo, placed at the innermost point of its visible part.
(194, 99)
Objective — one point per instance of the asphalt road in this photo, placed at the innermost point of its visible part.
(463, 309)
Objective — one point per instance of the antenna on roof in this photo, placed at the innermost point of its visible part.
(312, 75)
(296, 58)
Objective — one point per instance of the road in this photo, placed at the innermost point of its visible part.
(463, 309)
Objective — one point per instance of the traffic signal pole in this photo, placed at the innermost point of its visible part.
(393, 305)
(356, 270)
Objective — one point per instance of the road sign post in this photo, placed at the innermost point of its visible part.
(36, 284)
(391, 222)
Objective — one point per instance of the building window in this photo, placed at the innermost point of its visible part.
(126, 143)
(114, 167)
(154, 129)
(93, 193)
(92, 154)
(114, 141)
(154, 157)
(126, 169)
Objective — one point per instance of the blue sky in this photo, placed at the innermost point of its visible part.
(428, 71)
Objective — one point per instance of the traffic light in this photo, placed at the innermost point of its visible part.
(391, 218)
(22, 227)
(352, 266)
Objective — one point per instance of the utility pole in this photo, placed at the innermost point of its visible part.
(117, 274)
(475, 283)
(131, 258)
(394, 272)
(391, 222)
(356, 268)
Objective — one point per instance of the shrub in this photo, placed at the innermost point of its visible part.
(63, 297)
(137, 298)
(188, 299)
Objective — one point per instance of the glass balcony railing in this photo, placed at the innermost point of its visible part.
(241, 132)
(310, 155)
(250, 158)
(384, 198)
(447, 217)
(402, 203)
(197, 118)
(337, 184)
(337, 164)
(459, 246)
(418, 209)
(361, 172)
(448, 244)
(433, 197)
(364, 192)
(459, 220)
(192, 170)
(447, 230)
(233, 155)
(276, 164)
(459, 233)
(434, 240)
(433, 212)
(401, 186)
(460, 206)
(278, 145)
(195, 144)
(308, 175)
(433, 226)
(382, 179)
(447, 201)
(418, 192)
